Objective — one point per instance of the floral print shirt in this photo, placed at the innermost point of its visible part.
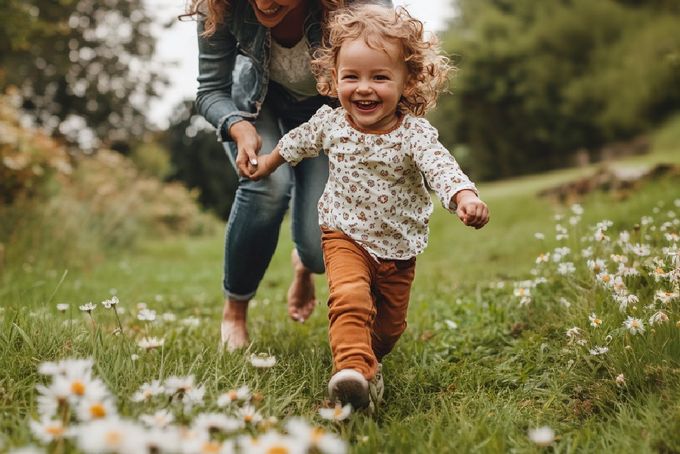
(376, 192)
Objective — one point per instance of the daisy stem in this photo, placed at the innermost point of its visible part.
(94, 324)
(120, 326)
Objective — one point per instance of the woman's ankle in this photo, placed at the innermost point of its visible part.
(235, 310)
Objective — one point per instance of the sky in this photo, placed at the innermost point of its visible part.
(177, 49)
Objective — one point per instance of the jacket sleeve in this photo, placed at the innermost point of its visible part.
(441, 170)
(216, 60)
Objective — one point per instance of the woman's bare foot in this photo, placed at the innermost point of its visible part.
(301, 299)
(234, 330)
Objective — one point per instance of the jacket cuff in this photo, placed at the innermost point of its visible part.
(225, 123)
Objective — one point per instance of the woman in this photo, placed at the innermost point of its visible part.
(255, 84)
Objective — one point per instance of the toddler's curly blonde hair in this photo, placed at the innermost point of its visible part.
(428, 70)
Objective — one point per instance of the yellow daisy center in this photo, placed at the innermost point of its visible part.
(113, 438)
(278, 449)
(317, 433)
(55, 430)
(98, 410)
(78, 387)
(210, 447)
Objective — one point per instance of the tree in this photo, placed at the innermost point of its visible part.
(539, 81)
(81, 66)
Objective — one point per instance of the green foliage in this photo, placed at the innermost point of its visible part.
(80, 66)
(152, 159)
(540, 81)
(199, 161)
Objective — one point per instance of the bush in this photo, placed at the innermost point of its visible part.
(59, 209)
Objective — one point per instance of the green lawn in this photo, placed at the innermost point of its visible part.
(477, 387)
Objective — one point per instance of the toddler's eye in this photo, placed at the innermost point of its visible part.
(382, 77)
(349, 77)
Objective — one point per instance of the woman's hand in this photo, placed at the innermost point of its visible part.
(471, 210)
(248, 142)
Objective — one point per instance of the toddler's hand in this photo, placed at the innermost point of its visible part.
(260, 168)
(471, 210)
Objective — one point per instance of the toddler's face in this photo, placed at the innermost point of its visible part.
(370, 83)
(271, 12)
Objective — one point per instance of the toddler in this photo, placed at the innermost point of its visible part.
(375, 208)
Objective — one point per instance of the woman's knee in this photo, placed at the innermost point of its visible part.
(309, 250)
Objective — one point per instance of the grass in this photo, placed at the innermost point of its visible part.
(480, 387)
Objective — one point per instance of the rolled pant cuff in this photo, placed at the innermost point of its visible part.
(237, 297)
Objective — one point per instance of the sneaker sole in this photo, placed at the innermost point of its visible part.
(350, 390)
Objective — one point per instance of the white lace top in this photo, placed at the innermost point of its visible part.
(291, 68)
(376, 192)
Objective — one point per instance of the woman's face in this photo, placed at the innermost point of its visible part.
(270, 13)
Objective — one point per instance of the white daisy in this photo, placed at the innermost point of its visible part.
(159, 420)
(597, 266)
(146, 315)
(596, 351)
(451, 324)
(158, 440)
(573, 333)
(88, 307)
(191, 322)
(179, 385)
(242, 394)
(658, 318)
(192, 398)
(634, 325)
(48, 430)
(110, 435)
(665, 297)
(315, 438)
(150, 343)
(168, 317)
(110, 302)
(641, 250)
(147, 391)
(70, 367)
(620, 380)
(566, 268)
(62, 307)
(210, 422)
(262, 360)
(271, 442)
(249, 415)
(337, 413)
(542, 436)
(89, 409)
(594, 321)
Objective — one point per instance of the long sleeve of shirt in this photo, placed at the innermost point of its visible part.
(441, 170)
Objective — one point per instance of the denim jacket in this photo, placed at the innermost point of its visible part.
(233, 64)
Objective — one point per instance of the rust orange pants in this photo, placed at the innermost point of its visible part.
(367, 304)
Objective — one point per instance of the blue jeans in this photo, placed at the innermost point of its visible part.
(259, 206)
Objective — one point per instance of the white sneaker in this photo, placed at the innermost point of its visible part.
(349, 387)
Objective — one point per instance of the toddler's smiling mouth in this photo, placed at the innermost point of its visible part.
(366, 105)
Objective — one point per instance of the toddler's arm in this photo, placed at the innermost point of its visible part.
(265, 164)
(470, 209)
